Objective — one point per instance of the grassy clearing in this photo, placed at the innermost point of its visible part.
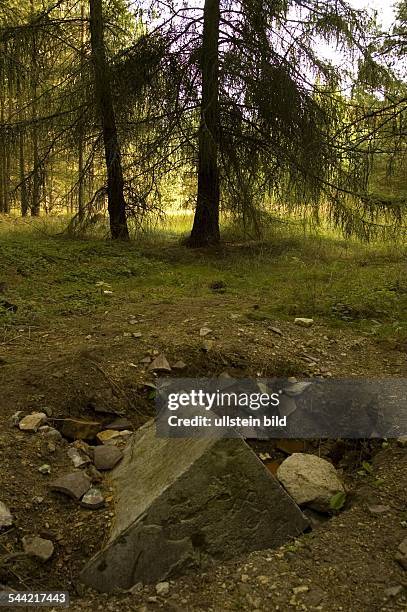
(288, 274)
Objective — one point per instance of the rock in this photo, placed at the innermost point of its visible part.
(126, 434)
(296, 389)
(378, 509)
(50, 433)
(204, 331)
(45, 469)
(83, 448)
(303, 322)
(401, 560)
(6, 518)
(276, 330)
(107, 435)
(313, 598)
(207, 345)
(74, 485)
(93, 474)
(106, 457)
(302, 588)
(120, 424)
(402, 441)
(179, 365)
(160, 363)
(310, 480)
(162, 588)
(394, 590)
(403, 547)
(75, 429)
(78, 460)
(38, 547)
(93, 499)
(32, 422)
(16, 418)
(182, 503)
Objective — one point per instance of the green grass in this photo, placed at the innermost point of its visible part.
(342, 283)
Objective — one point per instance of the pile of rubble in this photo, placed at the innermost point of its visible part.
(94, 448)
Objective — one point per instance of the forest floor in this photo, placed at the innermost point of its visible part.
(70, 347)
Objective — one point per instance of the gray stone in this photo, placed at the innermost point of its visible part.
(379, 509)
(310, 480)
(402, 441)
(394, 590)
(119, 424)
(78, 460)
(93, 499)
(16, 418)
(94, 475)
(50, 433)
(403, 547)
(45, 469)
(161, 364)
(6, 518)
(38, 547)
(32, 422)
(179, 365)
(106, 457)
(188, 503)
(303, 322)
(162, 588)
(401, 560)
(74, 485)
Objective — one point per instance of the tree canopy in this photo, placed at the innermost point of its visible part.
(234, 106)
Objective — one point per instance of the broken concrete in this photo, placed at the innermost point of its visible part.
(187, 503)
(106, 457)
(74, 485)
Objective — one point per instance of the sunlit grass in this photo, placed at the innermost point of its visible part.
(288, 273)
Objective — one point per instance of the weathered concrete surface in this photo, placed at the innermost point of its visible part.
(185, 503)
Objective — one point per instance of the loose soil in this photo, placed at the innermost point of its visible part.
(82, 366)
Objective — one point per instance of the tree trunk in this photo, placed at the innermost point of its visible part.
(205, 230)
(81, 144)
(2, 149)
(21, 158)
(115, 183)
(36, 179)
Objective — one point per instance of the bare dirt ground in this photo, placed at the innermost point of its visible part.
(79, 366)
